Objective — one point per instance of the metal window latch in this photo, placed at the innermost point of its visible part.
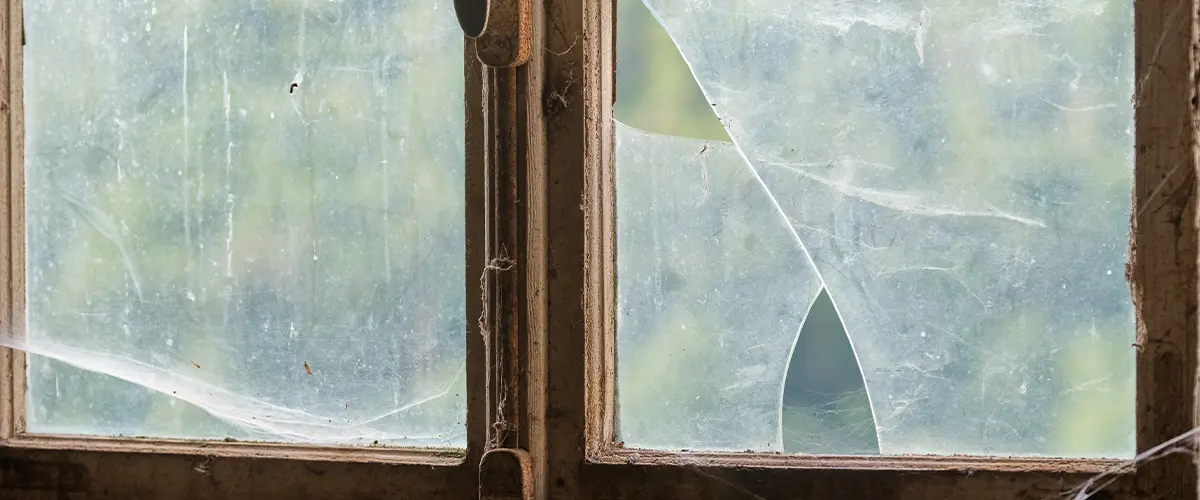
(502, 30)
(505, 474)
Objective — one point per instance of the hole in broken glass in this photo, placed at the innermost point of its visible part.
(655, 90)
(825, 404)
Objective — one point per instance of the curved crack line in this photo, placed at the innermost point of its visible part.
(783, 215)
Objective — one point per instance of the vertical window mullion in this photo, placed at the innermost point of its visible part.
(1162, 267)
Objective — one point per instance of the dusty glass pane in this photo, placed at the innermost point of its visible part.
(245, 219)
(954, 176)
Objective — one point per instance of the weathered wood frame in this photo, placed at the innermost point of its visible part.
(45, 466)
(540, 179)
(586, 462)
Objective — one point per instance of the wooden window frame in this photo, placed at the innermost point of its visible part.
(540, 363)
(585, 459)
(55, 466)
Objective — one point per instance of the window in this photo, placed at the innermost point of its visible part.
(231, 231)
(244, 243)
(602, 338)
(935, 191)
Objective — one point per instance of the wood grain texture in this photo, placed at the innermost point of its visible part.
(103, 475)
(704, 483)
(12, 224)
(534, 238)
(912, 463)
(555, 162)
(507, 37)
(1162, 267)
(577, 82)
(476, 258)
(513, 324)
(506, 475)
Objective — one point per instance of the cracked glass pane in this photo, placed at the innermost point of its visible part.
(869, 227)
(245, 220)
